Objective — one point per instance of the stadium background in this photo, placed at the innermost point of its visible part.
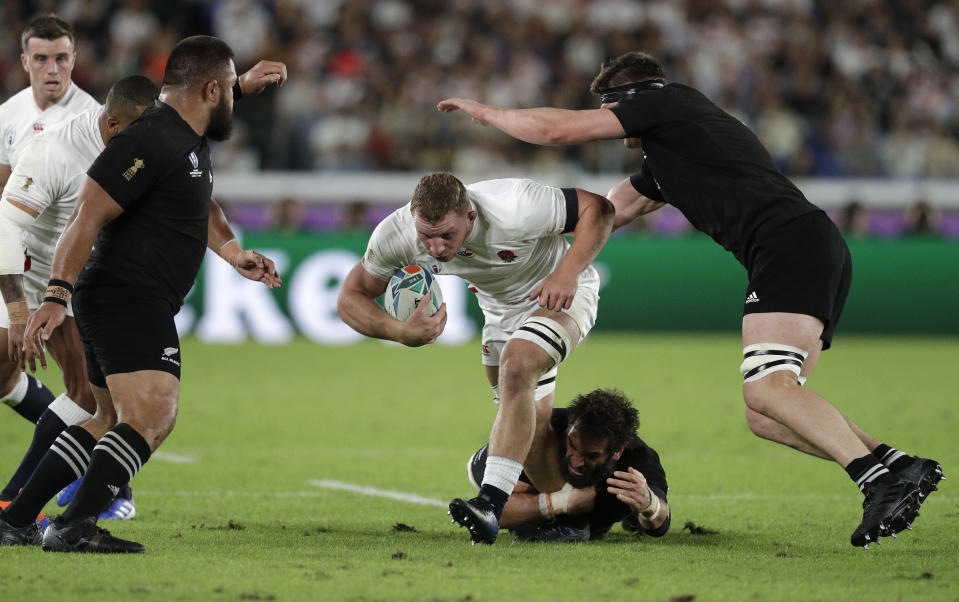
(855, 100)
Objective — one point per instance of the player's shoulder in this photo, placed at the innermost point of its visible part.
(16, 104)
(79, 100)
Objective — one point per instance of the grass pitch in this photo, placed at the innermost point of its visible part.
(230, 509)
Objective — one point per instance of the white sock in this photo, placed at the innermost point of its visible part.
(502, 473)
(19, 391)
(68, 411)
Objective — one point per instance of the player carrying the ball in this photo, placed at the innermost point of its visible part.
(711, 167)
(538, 293)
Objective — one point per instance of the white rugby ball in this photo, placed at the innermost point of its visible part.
(407, 288)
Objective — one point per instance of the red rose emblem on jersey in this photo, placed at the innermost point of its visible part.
(507, 256)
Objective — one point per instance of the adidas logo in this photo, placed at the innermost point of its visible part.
(752, 297)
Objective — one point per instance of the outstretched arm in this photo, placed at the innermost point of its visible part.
(629, 203)
(358, 308)
(595, 222)
(250, 264)
(545, 126)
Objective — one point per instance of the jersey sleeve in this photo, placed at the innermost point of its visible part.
(128, 167)
(640, 113)
(526, 208)
(385, 253)
(645, 184)
(646, 460)
(36, 181)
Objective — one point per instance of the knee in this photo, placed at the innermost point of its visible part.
(762, 395)
(517, 372)
(758, 424)
(9, 374)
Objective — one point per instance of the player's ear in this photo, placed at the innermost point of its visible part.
(211, 91)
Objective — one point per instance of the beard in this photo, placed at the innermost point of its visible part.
(590, 477)
(221, 122)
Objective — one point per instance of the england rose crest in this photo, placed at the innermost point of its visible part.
(507, 256)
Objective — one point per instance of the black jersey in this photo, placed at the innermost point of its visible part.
(708, 165)
(608, 510)
(158, 169)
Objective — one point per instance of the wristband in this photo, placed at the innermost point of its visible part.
(58, 291)
(237, 91)
(18, 311)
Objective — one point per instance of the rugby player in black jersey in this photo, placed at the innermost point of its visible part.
(611, 475)
(146, 203)
(711, 167)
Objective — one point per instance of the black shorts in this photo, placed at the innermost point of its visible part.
(801, 267)
(125, 331)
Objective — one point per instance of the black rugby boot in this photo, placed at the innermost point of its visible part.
(886, 510)
(85, 536)
(478, 516)
(19, 536)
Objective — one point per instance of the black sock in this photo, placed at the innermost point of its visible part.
(119, 455)
(64, 462)
(865, 470)
(35, 401)
(48, 429)
(496, 498)
(125, 493)
(892, 458)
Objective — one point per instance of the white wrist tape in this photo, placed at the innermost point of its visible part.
(651, 512)
(556, 503)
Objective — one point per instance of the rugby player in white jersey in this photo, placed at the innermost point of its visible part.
(36, 204)
(48, 58)
(538, 293)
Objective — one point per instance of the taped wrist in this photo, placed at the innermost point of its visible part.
(17, 311)
(58, 291)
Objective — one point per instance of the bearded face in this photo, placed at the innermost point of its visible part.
(221, 120)
(586, 462)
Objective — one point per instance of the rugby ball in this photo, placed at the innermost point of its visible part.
(407, 288)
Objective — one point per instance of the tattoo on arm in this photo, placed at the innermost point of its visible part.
(11, 287)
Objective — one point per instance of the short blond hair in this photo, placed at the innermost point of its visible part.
(436, 195)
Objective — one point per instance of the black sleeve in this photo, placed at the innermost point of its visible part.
(640, 113)
(572, 209)
(128, 166)
(645, 184)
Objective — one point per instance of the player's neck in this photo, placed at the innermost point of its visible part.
(196, 115)
(44, 102)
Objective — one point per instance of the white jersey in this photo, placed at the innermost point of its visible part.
(21, 119)
(47, 179)
(48, 176)
(516, 242)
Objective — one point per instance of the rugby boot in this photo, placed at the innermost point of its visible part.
(925, 473)
(66, 494)
(565, 529)
(28, 535)
(885, 511)
(119, 509)
(85, 536)
(476, 515)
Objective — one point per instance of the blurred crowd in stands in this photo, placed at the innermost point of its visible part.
(834, 88)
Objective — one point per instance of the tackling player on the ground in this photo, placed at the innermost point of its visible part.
(711, 167)
(538, 294)
(146, 202)
(611, 476)
(48, 58)
(37, 201)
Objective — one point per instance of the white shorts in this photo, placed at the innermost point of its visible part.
(503, 320)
